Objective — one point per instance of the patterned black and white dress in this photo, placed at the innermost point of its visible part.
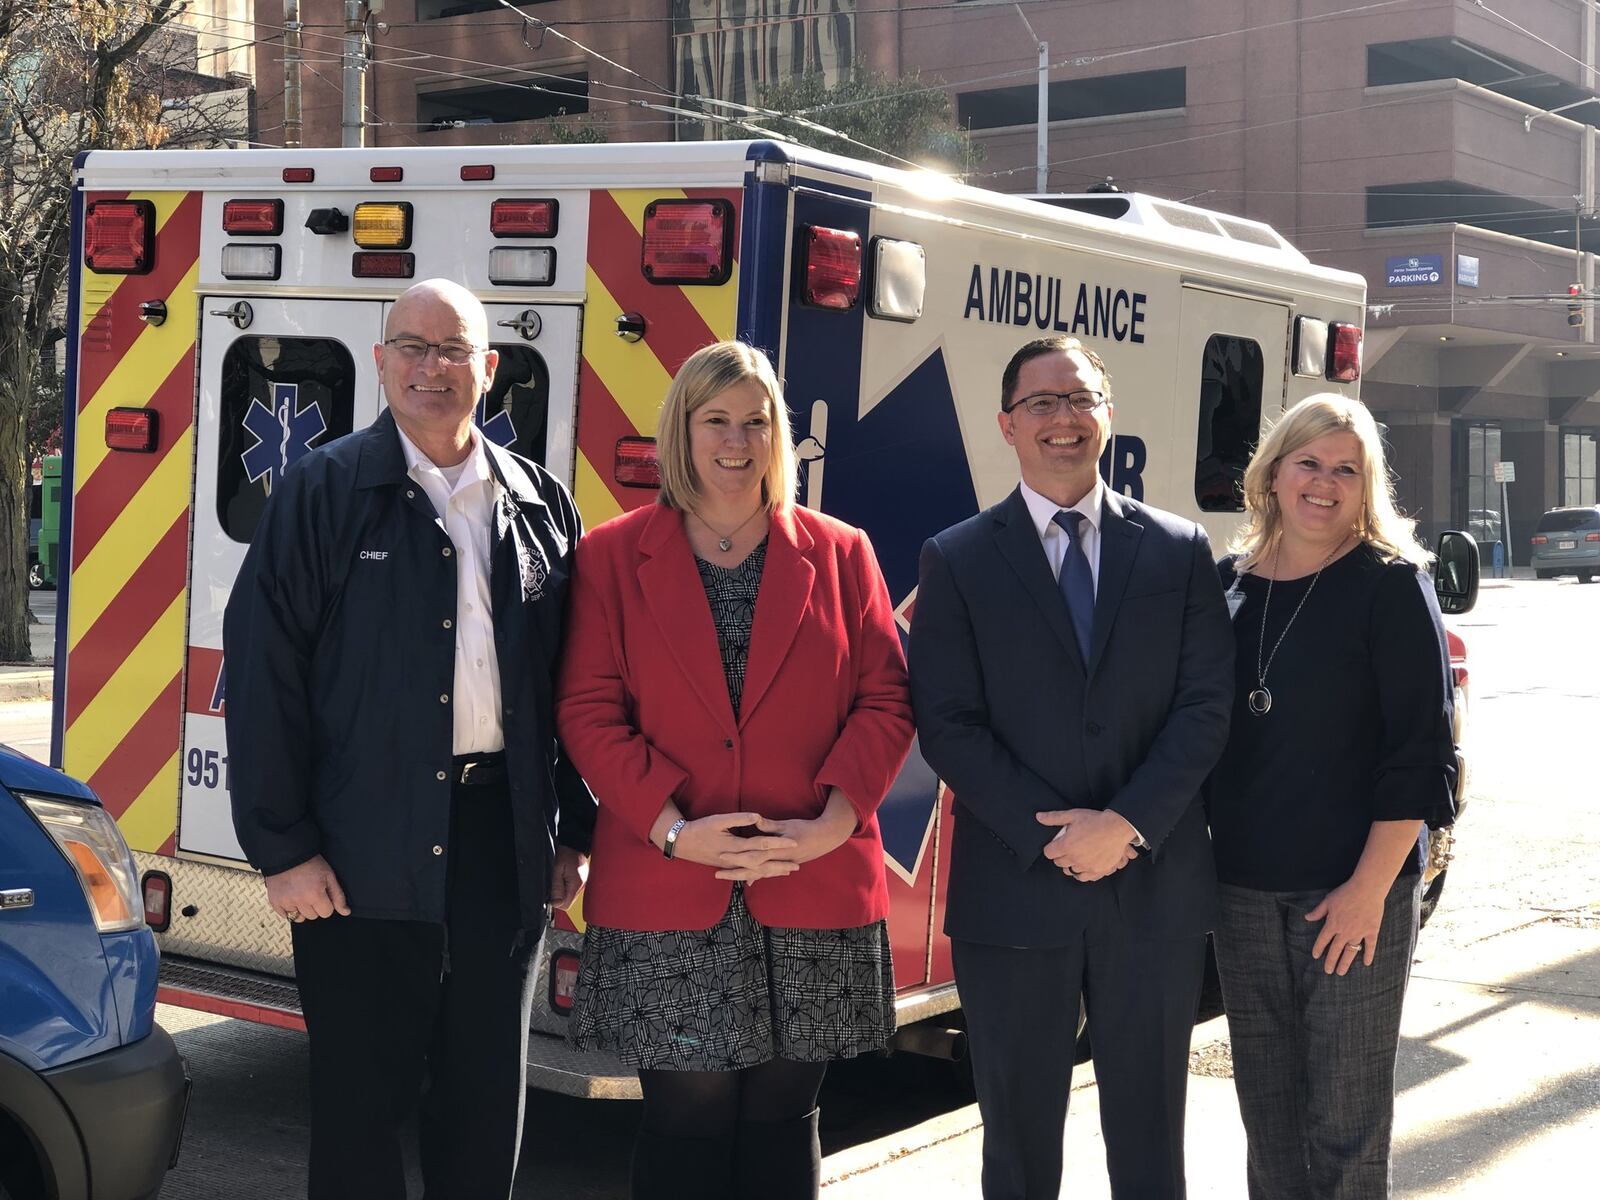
(739, 993)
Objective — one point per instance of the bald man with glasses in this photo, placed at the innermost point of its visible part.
(391, 644)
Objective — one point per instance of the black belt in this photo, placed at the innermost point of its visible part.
(478, 770)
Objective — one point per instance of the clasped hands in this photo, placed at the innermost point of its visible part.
(746, 846)
(1090, 844)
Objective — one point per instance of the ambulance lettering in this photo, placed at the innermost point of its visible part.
(1021, 299)
(284, 434)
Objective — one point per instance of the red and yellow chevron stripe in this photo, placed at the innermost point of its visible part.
(130, 533)
(621, 384)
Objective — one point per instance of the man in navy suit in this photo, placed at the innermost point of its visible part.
(1072, 672)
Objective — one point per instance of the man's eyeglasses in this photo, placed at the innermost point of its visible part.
(1047, 404)
(456, 354)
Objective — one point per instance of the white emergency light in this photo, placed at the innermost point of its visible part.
(247, 260)
(535, 265)
(899, 279)
(1310, 347)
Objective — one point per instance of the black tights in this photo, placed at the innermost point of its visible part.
(701, 1104)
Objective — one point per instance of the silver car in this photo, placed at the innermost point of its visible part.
(1567, 542)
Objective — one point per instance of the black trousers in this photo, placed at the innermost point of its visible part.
(402, 1010)
(1021, 1006)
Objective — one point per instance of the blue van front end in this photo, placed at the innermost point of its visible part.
(92, 1093)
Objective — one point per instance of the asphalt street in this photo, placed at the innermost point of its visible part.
(1499, 1079)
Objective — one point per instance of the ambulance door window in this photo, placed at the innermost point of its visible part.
(1230, 421)
(281, 398)
(517, 415)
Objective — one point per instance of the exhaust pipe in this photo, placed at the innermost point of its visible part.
(930, 1041)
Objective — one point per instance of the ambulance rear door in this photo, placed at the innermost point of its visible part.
(278, 378)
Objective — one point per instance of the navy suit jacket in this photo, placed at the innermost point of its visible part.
(1015, 722)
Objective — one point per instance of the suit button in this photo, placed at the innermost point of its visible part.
(411, 493)
(727, 743)
(445, 551)
(448, 622)
(438, 850)
(441, 776)
(1094, 729)
(510, 712)
(445, 699)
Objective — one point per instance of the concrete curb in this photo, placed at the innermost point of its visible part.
(26, 683)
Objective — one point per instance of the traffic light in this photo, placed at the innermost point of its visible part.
(1575, 304)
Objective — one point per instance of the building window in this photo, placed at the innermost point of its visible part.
(525, 98)
(1578, 466)
(434, 10)
(1075, 99)
(1482, 451)
(1231, 372)
(731, 49)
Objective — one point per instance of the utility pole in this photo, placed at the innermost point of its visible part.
(1041, 177)
(354, 123)
(291, 72)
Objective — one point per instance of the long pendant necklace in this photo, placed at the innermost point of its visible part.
(1261, 699)
(725, 540)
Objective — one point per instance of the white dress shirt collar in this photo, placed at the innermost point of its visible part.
(1043, 510)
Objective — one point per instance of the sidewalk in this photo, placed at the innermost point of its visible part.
(35, 680)
(1497, 1090)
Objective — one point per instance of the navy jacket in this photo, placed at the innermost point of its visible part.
(340, 656)
(1016, 723)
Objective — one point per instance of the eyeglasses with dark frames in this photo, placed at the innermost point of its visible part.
(456, 354)
(1047, 404)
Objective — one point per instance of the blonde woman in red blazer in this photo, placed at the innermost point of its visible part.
(734, 691)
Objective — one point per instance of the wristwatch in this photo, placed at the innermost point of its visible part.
(669, 844)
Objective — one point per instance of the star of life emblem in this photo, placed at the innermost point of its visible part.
(284, 434)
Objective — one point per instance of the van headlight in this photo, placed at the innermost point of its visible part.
(93, 844)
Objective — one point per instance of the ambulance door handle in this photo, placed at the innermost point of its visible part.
(241, 314)
(526, 323)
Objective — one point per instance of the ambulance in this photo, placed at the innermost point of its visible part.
(223, 306)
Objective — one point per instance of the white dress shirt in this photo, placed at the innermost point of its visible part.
(1054, 538)
(464, 496)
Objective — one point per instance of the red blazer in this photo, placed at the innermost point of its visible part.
(642, 707)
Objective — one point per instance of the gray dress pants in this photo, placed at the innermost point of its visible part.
(1313, 1053)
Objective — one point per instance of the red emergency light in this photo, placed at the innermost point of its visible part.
(832, 276)
(1344, 352)
(563, 980)
(157, 889)
(523, 218)
(253, 216)
(688, 241)
(386, 174)
(382, 264)
(132, 429)
(477, 172)
(299, 175)
(636, 464)
(119, 236)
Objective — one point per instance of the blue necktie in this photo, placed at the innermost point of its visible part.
(1076, 580)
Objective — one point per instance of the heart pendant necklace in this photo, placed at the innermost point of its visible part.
(1260, 700)
(725, 540)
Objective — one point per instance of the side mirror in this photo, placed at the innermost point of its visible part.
(1455, 572)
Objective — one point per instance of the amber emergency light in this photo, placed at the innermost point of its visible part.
(382, 226)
